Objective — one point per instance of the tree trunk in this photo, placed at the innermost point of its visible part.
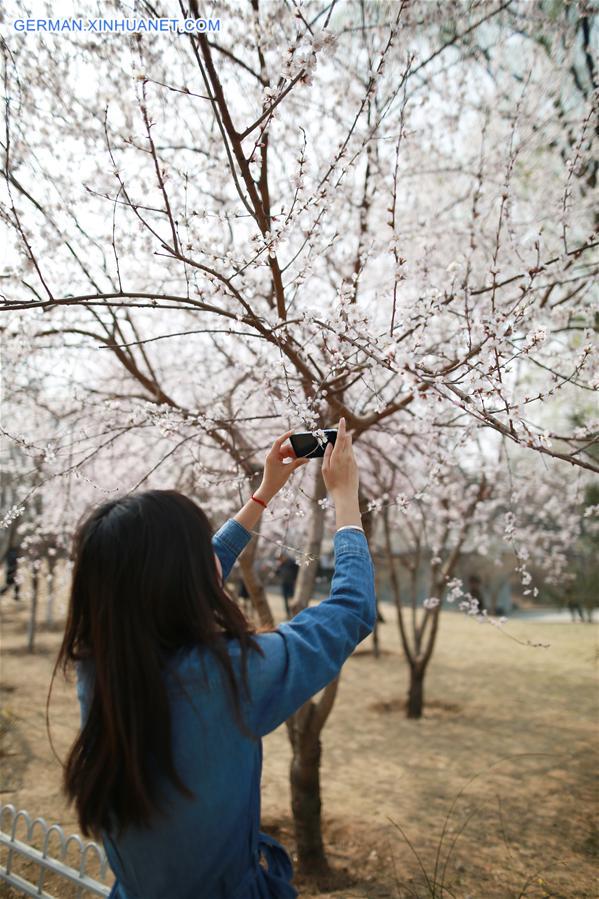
(254, 585)
(50, 593)
(376, 651)
(416, 691)
(33, 615)
(306, 576)
(305, 796)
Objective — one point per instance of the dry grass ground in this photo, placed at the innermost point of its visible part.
(510, 729)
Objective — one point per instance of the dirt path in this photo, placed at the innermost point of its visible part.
(512, 726)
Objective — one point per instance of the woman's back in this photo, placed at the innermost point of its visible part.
(199, 847)
(221, 765)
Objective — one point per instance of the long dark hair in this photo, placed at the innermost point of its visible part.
(144, 584)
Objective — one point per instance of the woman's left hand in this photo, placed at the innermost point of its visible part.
(276, 469)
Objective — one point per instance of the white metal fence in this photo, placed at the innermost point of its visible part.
(18, 831)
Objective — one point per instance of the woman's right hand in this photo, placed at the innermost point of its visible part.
(339, 468)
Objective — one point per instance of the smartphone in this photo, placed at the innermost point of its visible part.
(306, 444)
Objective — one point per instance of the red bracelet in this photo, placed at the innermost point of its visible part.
(256, 500)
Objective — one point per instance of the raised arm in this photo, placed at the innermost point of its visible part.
(303, 655)
(234, 535)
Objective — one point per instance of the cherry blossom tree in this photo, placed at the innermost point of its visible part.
(459, 505)
(382, 211)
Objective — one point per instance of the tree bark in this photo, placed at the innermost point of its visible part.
(33, 616)
(50, 583)
(376, 651)
(306, 577)
(254, 585)
(416, 691)
(306, 803)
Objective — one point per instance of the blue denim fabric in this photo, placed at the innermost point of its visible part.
(209, 848)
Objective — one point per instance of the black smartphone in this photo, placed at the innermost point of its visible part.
(307, 444)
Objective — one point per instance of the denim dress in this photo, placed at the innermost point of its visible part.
(211, 847)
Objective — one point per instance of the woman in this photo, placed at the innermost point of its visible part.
(176, 688)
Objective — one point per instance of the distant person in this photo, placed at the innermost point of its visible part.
(575, 608)
(11, 560)
(287, 569)
(475, 591)
(573, 604)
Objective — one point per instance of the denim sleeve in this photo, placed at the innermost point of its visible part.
(228, 543)
(305, 654)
